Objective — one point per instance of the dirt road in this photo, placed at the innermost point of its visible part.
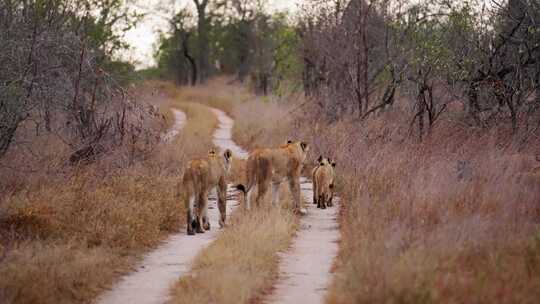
(305, 267)
(151, 280)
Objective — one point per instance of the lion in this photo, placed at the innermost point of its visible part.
(200, 177)
(268, 166)
(323, 182)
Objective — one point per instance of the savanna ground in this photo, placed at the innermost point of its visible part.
(430, 109)
(242, 264)
(71, 231)
(66, 237)
(454, 220)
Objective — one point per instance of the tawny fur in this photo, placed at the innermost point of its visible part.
(271, 167)
(323, 183)
(200, 177)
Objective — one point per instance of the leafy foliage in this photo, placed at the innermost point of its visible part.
(243, 39)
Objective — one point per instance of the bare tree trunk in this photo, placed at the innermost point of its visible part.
(204, 49)
(190, 59)
(244, 41)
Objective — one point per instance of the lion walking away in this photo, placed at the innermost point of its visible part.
(270, 167)
(200, 177)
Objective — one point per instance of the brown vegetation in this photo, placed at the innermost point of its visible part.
(219, 92)
(447, 220)
(242, 263)
(454, 218)
(64, 241)
(66, 236)
(426, 104)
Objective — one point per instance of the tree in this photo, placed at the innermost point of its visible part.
(344, 54)
(54, 79)
(203, 24)
(240, 36)
(359, 54)
(182, 34)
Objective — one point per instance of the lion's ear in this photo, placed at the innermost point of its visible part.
(304, 146)
(289, 141)
(331, 162)
(319, 160)
(227, 154)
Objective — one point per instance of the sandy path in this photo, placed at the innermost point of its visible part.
(161, 268)
(179, 122)
(305, 267)
(223, 135)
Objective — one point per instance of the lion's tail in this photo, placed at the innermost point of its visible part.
(251, 175)
(242, 188)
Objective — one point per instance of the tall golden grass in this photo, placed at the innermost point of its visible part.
(262, 124)
(447, 220)
(219, 92)
(65, 237)
(65, 241)
(454, 218)
(242, 263)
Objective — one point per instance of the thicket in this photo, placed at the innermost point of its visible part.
(477, 58)
(61, 87)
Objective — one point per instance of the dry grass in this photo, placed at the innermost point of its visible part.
(201, 121)
(413, 232)
(453, 219)
(220, 92)
(201, 124)
(81, 233)
(64, 239)
(261, 124)
(242, 263)
(64, 272)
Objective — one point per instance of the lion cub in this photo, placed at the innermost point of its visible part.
(323, 182)
(200, 177)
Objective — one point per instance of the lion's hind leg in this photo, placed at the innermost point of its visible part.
(262, 188)
(264, 177)
(222, 202)
(314, 189)
(191, 216)
(294, 188)
(321, 197)
(202, 206)
(331, 196)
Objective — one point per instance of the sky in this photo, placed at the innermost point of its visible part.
(144, 36)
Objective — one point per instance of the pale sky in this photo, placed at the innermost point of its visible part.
(143, 38)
